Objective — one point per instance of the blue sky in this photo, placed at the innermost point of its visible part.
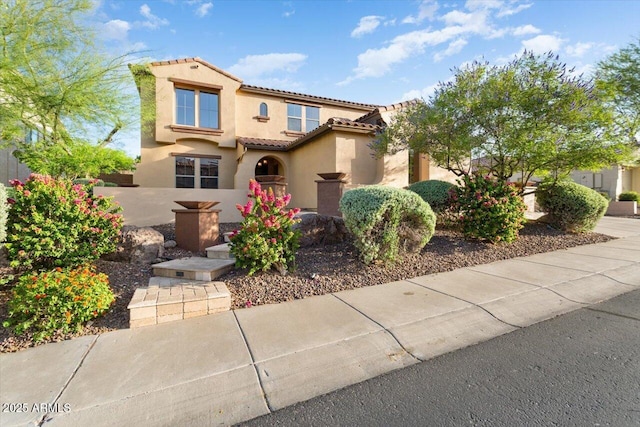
(376, 51)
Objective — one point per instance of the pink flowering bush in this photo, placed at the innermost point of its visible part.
(54, 223)
(266, 239)
(489, 209)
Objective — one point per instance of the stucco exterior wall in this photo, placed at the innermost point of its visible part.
(607, 180)
(635, 178)
(157, 168)
(166, 101)
(307, 161)
(353, 157)
(248, 108)
(153, 206)
(247, 165)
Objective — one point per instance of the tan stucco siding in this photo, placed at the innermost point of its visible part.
(157, 168)
(635, 179)
(354, 158)
(248, 107)
(306, 162)
(166, 101)
(247, 165)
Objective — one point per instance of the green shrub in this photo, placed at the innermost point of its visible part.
(110, 184)
(570, 206)
(489, 209)
(266, 238)
(4, 211)
(629, 196)
(59, 300)
(54, 223)
(434, 192)
(386, 221)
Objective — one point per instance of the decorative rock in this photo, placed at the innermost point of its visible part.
(321, 229)
(138, 245)
(170, 244)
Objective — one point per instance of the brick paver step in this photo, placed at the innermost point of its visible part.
(194, 268)
(222, 251)
(167, 300)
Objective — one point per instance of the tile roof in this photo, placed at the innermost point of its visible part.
(281, 145)
(391, 107)
(264, 90)
(198, 60)
(305, 97)
(264, 144)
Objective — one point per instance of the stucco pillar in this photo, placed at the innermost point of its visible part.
(420, 167)
(275, 182)
(330, 189)
(197, 228)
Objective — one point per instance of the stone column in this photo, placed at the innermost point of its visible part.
(275, 182)
(330, 189)
(197, 227)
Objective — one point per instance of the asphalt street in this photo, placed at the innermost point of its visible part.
(578, 369)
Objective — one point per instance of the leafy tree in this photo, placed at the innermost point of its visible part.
(618, 76)
(78, 159)
(56, 80)
(529, 117)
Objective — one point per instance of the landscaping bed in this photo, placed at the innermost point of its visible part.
(320, 270)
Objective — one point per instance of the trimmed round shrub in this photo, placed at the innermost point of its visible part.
(434, 192)
(386, 221)
(489, 210)
(629, 196)
(4, 211)
(54, 223)
(570, 206)
(62, 300)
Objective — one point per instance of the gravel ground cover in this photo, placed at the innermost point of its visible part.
(320, 270)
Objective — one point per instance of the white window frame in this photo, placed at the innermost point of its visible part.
(304, 120)
(196, 107)
(197, 172)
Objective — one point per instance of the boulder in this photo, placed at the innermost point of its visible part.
(138, 245)
(321, 229)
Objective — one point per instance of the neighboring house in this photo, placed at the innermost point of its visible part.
(10, 167)
(211, 130)
(613, 180)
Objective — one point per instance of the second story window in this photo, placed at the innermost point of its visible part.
(264, 111)
(197, 108)
(297, 115)
(186, 107)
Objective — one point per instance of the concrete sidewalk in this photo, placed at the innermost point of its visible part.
(226, 368)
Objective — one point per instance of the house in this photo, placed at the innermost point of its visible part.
(210, 130)
(10, 167)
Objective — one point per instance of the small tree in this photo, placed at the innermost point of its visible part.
(618, 77)
(57, 81)
(529, 117)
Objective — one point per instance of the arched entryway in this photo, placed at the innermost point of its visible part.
(269, 166)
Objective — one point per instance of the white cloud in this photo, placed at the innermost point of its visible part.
(367, 25)
(458, 27)
(484, 4)
(578, 49)
(203, 9)
(454, 47)
(152, 21)
(290, 10)
(255, 66)
(543, 43)
(508, 11)
(525, 30)
(116, 29)
(424, 93)
(426, 10)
